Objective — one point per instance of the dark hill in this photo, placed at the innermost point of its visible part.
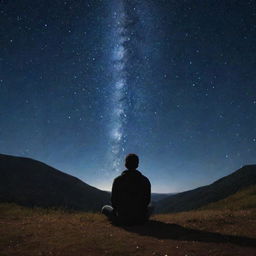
(32, 183)
(159, 196)
(220, 189)
(242, 200)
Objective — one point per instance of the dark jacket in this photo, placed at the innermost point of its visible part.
(131, 192)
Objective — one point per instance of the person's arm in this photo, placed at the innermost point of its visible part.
(114, 195)
(147, 192)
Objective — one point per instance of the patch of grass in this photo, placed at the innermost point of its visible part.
(16, 211)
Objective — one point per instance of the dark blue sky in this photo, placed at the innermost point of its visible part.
(83, 83)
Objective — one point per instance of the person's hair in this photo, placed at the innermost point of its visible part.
(131, 161)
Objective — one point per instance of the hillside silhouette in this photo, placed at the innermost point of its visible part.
(242, 200)
(220, 189)
(32, 183)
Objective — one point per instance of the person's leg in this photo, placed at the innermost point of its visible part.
(151, 209)
(107, 210)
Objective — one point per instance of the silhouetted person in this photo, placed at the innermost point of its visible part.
(130, 198)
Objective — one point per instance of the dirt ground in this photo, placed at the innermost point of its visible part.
(40, 232)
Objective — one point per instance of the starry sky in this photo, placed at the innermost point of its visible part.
(85, 82)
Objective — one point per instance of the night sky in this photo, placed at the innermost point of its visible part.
(83, 83)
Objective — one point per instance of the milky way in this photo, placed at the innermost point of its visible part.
(119, 91)
(124, 21)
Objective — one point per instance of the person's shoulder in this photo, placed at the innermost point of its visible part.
(116, 179)
(144, 178)
(120, 177)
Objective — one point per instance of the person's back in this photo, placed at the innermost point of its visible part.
(131, 196)
(131, 192)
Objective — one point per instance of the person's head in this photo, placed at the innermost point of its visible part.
(131, 161)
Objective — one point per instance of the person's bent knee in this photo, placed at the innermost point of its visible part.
(107, 210)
